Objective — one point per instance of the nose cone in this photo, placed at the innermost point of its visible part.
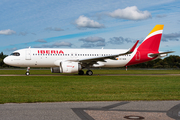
(7, 60)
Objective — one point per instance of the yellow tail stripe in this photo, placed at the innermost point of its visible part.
(156, 28)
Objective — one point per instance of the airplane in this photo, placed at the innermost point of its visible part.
(75, 60)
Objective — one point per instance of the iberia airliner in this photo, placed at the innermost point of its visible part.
(75, 60)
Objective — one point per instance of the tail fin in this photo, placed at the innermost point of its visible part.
(152, 41)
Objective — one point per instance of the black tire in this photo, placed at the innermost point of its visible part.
(89, 72)
(27, 73)
(81, 72)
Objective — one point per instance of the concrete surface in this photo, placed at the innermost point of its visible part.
(116, 110)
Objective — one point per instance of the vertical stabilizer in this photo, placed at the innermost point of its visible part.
(149, 48)
(152, 41)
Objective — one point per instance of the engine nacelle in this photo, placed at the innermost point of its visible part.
(67, 67)
(56, 70)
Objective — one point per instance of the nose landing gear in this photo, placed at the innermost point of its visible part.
(27, 73)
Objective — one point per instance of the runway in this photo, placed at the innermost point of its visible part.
(117, 110)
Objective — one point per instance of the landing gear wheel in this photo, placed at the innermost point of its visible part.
(81, 72)
(27, 73)
(89, 72)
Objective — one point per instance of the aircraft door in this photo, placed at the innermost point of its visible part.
(28, 54)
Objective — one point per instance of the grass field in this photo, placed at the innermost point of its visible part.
(23, 89)
(48, 72)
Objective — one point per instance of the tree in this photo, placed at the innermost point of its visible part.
(2, 64)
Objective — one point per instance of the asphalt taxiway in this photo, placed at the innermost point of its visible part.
(116, 110)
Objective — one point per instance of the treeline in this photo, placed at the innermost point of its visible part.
(2, 64)
(172, 61)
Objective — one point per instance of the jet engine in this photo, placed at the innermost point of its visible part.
(67, 67)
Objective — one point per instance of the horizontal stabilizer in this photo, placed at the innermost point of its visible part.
(161, 53)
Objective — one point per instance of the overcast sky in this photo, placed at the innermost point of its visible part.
(111, 24)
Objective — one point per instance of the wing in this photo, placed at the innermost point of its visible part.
(94, 60)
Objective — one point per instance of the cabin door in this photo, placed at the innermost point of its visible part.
(28, 54)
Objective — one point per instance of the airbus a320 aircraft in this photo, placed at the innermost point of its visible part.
(74, 60)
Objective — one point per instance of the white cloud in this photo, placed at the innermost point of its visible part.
(92, 39)
(58, 44)
(55, 45)
(161, 16)
(130, 13)
(53, 29)
(11, 49)
(120, 40)
(23, 33)
(171, 37)
(85, 45)
(7, 32)
(101, 44)
(84, 22)
(41, 41)
(92, 42)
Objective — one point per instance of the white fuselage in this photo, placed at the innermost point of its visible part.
(51, 57)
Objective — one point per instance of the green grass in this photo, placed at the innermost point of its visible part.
(48, 72)
(136, 71)
(28, 89)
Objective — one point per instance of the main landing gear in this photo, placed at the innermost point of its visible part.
(81, 72)
(88, 72)
(28, 73)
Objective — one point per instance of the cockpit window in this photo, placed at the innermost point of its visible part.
(15, 54)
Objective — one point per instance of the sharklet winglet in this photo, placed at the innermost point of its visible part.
(132, 49)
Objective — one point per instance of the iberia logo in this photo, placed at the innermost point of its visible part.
(50, 52)
(70, 66)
